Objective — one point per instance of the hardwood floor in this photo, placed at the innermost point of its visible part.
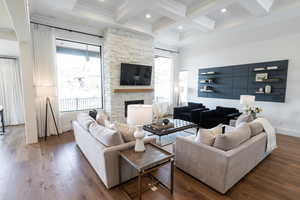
(56, 169)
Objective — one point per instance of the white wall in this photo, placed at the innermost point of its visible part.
(284, 116)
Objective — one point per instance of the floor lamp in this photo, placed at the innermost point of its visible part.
(47, 92)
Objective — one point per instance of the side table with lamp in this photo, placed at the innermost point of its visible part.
(145, 158)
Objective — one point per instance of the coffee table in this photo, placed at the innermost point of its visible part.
(146, 162)
(179, 125)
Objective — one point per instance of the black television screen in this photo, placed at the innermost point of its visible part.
(132, 74)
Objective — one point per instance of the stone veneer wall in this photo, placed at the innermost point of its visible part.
(122, 46)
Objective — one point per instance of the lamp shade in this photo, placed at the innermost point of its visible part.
(247, 100)
(45, 91)
(139, 114)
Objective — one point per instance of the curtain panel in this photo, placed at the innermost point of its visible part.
(45, 76)
(11, 93)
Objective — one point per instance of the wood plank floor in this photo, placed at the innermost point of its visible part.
(57, 170)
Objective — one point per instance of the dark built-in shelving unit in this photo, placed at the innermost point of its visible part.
(229, 82)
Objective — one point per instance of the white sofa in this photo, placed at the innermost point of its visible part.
(217, 168)
(105, 160)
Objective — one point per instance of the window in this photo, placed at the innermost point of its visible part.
(163, 79)
(79, 76)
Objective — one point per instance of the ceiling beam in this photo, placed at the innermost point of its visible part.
(130, 9)
(257, 7)
(204, 8)
(19, 14)
(205, 22)
(195, 15)
(169, 8)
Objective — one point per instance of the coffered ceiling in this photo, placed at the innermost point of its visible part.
(169, 21)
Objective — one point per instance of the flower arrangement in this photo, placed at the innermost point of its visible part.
(254, 111)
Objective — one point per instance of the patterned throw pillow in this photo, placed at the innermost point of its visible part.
(101, 117)
(207, 136)
(127, 131)
(244, 118)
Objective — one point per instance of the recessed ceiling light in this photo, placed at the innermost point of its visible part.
(223, 10)
(148, 16)
(180, 27)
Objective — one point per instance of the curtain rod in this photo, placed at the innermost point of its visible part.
(171, 51)
(8, 57)
(65, 29)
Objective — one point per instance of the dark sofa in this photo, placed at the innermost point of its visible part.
(221, 115)
(190, 113)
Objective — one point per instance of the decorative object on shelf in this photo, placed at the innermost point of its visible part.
(260, 91)
(45, 92)
(268, 89)
(261, 77)
(259, 69)
(208, 73)
(247, 101)
(206, 89)
(139, 115)
(206, 81)
(272, 68)
(253, 111)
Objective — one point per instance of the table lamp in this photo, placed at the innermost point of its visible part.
(139, 115)
(247, 100)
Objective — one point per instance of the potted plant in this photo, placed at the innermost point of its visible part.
(254, 111)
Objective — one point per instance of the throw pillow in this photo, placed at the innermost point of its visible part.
(110, 125)
(207, 136)
(256, 128)
(84, 120)
(101, 117)
(106, 136)
(127, 131)
(233, 138)
(244, 118)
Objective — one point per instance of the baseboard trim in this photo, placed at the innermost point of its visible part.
(289, 132)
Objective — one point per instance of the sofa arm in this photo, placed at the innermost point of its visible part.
(195, 114)
(111, 163)
(204, 162)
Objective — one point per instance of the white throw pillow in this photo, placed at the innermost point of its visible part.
(207, 136)
(84, 120)
(244, 118)
(106, 136)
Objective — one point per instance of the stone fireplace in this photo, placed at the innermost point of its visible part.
(127, 103)
(123, 46)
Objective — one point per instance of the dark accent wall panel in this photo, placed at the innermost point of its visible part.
(230, 82)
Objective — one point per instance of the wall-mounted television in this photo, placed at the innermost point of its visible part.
(132, 74)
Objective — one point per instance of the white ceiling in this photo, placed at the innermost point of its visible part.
(5, 21)
(198, 18)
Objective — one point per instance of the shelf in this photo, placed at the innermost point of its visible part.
(209, 91)
(264, 69)
(272, 80)
(208, 73)
(135, 90)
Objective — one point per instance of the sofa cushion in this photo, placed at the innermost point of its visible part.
(234, 138)
(207, 136)
(101, 117)
(256, 128)
(127, 131)
(244, 118)
(85, 120)
(106, 136)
